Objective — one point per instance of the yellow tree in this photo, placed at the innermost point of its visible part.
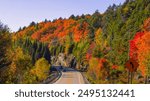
(41, 69)
(98, 70)
(100, 42)
(98, 37)
(20, 64)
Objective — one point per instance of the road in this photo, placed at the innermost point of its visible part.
(70, 76)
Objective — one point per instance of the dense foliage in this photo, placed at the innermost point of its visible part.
(101, 43)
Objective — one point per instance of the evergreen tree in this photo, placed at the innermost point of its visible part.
(46, 54)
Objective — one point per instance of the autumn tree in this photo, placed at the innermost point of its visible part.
(146, 26)
(5, 42)
(41, 70)
(143, 50)
(5, 47)
(98, 70)
(143, 46)
(133, 46)
(100, 43)
(20, 63)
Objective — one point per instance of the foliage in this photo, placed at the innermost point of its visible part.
(104, 42)
(98, 70)
(41, 70)
(139, 49)
(5, 42)
(20, 63)
(133, 46)
(143, 46)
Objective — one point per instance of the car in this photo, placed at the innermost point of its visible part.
(64, 70)
(61, 67)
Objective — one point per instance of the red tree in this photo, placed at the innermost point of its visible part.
(133, 47)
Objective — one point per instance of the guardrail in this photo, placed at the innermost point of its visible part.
(53, 77)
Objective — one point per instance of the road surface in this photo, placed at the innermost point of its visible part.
(70, 76)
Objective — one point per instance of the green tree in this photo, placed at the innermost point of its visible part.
(5, 43)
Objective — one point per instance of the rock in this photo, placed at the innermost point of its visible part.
(63, 60)
(53, 59)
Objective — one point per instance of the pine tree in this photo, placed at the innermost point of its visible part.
(46, 54)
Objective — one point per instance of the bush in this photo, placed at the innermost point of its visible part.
(41, 70)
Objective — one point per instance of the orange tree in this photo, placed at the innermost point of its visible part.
(143, 49)
(143, 46)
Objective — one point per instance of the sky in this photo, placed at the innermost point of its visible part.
(20, 13)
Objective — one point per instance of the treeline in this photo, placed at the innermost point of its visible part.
(5, 41)
(22, 61)
(34, 48)
(101, 39)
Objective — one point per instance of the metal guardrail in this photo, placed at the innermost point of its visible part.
(53, 77)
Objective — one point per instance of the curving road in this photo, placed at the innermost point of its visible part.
(70, 76)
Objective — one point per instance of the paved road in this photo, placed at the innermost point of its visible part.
(70, 76)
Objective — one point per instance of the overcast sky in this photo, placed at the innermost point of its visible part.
(19, 13)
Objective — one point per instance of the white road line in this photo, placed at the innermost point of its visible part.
(79, 78)
(58, 81)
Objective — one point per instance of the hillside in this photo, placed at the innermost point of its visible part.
(100, 43)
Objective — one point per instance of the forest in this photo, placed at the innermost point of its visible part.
(102, 43)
